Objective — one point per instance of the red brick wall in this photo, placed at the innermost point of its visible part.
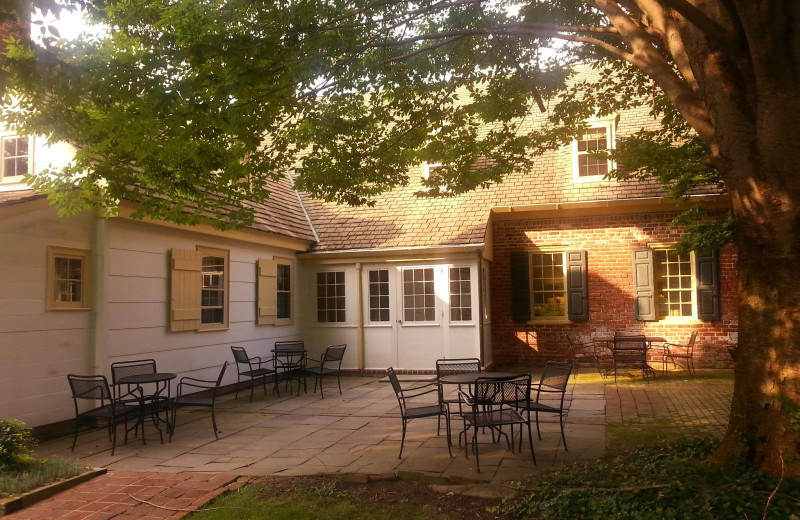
(609, 242)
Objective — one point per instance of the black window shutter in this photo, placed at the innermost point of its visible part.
(520, 287)
(577, 293)
(644, 287)
(706, 267)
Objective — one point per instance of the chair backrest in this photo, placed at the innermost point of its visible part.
(137, 367)
(333, 354)
(500, 391)
(398, 390)
(690, 344)
(89, 387)
(290, 345)
(556, 376)
(446, 367)
(629, 341)
(240, 356)
(219, 380)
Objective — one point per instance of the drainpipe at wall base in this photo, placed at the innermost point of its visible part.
(480, 306)
(360, 328)
(98, 353)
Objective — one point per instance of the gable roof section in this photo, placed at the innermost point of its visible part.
(282, 214)
(400, 219)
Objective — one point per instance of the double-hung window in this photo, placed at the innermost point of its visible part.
(68, 278)
(16, 157)
(587, 166)
(670, 285)
(199, 289)
(275, 291)
(549, 285)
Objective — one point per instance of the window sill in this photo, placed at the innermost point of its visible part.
(680, 320)
(594, 178)
(69, 308)
(559, 321)
(212, 328)
(462, 324)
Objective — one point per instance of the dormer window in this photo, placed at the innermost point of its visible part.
(596, 137)
(431, 169)
(15, 158)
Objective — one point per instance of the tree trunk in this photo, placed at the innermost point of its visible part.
(760, 163)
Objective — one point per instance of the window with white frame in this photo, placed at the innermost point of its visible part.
(586, 164)
(674, 282)
(548, 285)
(419, 296)
(214, 288)
(15, 157)
(460, 294)
(379, 295)
(68, 283)
(330, 297)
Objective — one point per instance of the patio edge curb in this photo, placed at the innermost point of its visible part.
(37, 495)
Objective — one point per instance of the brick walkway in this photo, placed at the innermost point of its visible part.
(124, 495)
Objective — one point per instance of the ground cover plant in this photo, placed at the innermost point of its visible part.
(667, 481)
(19, 470)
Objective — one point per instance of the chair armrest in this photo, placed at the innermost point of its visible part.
(418, 391)
(208, 385)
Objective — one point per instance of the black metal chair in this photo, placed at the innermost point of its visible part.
(121, 369)
(251, 367)
(95, 388)
(447, 367)
(289, 361)
(586, 353)
(630, 351)
(330, 363)
(551, 389)
(204, 395)
(675, 353)
(493, 405)
(408, 413)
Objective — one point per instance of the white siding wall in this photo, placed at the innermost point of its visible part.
(39, 347)
(137, 295)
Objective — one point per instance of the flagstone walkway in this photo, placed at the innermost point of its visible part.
(359, 433)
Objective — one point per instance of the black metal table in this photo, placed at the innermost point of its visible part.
(290, 364)
(162, 394)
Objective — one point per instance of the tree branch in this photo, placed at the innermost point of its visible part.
(724, 38)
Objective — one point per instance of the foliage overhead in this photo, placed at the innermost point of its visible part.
(198, 105)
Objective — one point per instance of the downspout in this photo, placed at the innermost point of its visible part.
(98, 351)
(480, 305)
(360, 326)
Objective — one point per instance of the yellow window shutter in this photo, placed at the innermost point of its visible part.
(267, 291)
(185, 287)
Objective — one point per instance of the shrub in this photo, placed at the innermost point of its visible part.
(16, 444)
(666, 482)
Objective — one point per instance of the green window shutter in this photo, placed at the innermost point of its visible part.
(520, 287)
(707, 286)
(644, 287)
(577, 293)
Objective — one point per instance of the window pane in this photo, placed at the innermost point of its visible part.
(330, 297)
(460, 294)
(548, 283)
(379, 291)
(419, 299)
(674, 283)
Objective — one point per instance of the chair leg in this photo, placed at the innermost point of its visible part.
(238, 381)
(449, 441)
(75, 437)
(339, 380)
(563, 438)
(321, 389)
(530, 441)
(174, 420)
(113, 435)
(538, 431)
(402, 440)
(475, 447)
(214, 422)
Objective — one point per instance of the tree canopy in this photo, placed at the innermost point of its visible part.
(197, 104)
